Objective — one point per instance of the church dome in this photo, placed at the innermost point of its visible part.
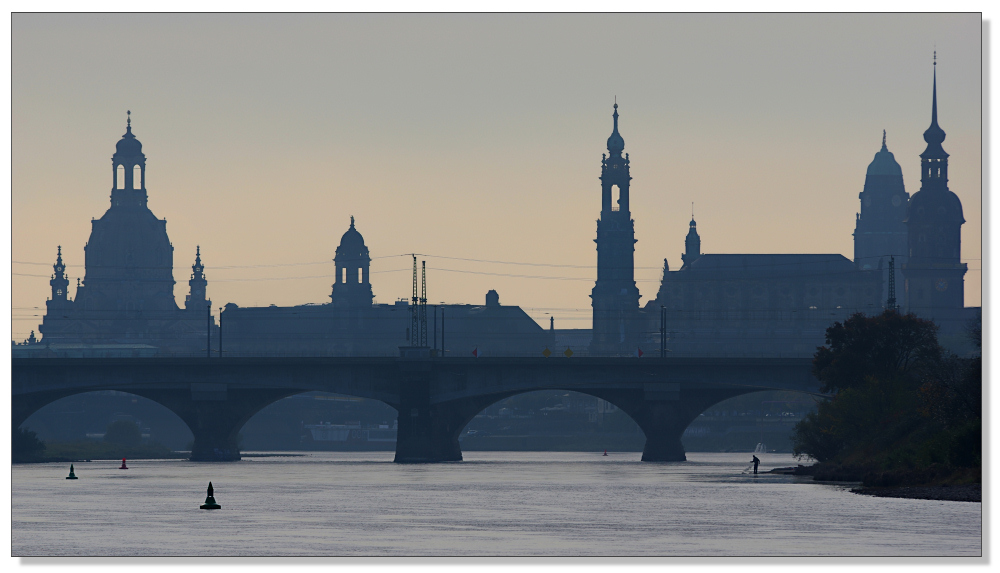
(884, 162)
(128, 149)
(352, 244)
(128, 145)
(941, 206)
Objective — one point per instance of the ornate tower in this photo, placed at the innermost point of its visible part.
(129, 259)
(934, 273)
(197, 298)
(59, 282)
(615, 298)
(879, 231)
(129, 164)
(352, 288)
(692, 244)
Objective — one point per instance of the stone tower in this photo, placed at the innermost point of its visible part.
(879, 231)
(615, 298)
(934, 273)
(352, 287)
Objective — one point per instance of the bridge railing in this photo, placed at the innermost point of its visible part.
(42, 354)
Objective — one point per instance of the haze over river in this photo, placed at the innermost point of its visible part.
(493, 503)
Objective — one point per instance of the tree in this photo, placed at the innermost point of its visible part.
(123, 433)
(884, 347)
(25, 445)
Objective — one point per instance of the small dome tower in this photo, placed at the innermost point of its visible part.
(352, 287)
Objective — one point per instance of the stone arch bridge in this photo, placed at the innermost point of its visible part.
(435, 397)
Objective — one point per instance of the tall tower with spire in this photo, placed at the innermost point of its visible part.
(879, 231)
(615, 297)
(934, 274)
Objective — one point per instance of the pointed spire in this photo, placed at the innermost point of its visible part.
(883, 141)
(59, 267)
(616, 144)
(934, 135)
(934, 99)
(352, 221)
(197, 267)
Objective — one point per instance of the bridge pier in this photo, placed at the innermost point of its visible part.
(215, 416)
(663, 419)
(426, 432)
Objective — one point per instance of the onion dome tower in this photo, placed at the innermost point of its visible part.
(934, 274)
(129, 259)
(879, 231)
(352, 288)
(615, 297)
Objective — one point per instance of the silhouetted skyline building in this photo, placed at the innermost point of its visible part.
(879, 230)
(615, 297)
(934, 274)
(351, 324)
(126, 300)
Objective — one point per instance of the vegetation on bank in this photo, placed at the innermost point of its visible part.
(903, 411)
(122, 439)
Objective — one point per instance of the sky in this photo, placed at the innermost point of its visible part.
(474, 141)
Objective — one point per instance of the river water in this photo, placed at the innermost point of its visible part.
(491, 504)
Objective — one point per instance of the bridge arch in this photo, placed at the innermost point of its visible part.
(77, 411)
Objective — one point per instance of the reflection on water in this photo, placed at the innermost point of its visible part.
(494, 503)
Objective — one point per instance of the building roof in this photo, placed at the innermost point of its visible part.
(766, 265)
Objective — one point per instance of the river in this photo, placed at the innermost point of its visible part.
(491, 504)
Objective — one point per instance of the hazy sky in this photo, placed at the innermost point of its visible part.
(474, 137)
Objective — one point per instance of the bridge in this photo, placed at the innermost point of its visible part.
(435, 397)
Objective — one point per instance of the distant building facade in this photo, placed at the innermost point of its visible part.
(351, 325)
(126, 301)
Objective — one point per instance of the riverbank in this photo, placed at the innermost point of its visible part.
(959, 490)
(970, 492)
(87, 450)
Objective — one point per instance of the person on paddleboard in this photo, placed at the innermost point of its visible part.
(756, 462)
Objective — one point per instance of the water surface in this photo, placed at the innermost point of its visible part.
(493, 503)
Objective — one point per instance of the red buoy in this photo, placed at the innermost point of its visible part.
(124, 467)
(605, 452)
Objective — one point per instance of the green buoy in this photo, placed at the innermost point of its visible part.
(210, 500)
(71, 474)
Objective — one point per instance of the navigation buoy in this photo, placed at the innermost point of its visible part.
(71, 474)
(124, 467)
(210, 500)
(605, 452)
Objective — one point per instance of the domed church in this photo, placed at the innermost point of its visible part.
(126, 301)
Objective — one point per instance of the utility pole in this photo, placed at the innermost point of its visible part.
(435, 327)
(442, 332)
(414, 326)
(423, 303)
(208, 329)
(220, 332)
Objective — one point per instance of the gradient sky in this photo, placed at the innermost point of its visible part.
(474, 137)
